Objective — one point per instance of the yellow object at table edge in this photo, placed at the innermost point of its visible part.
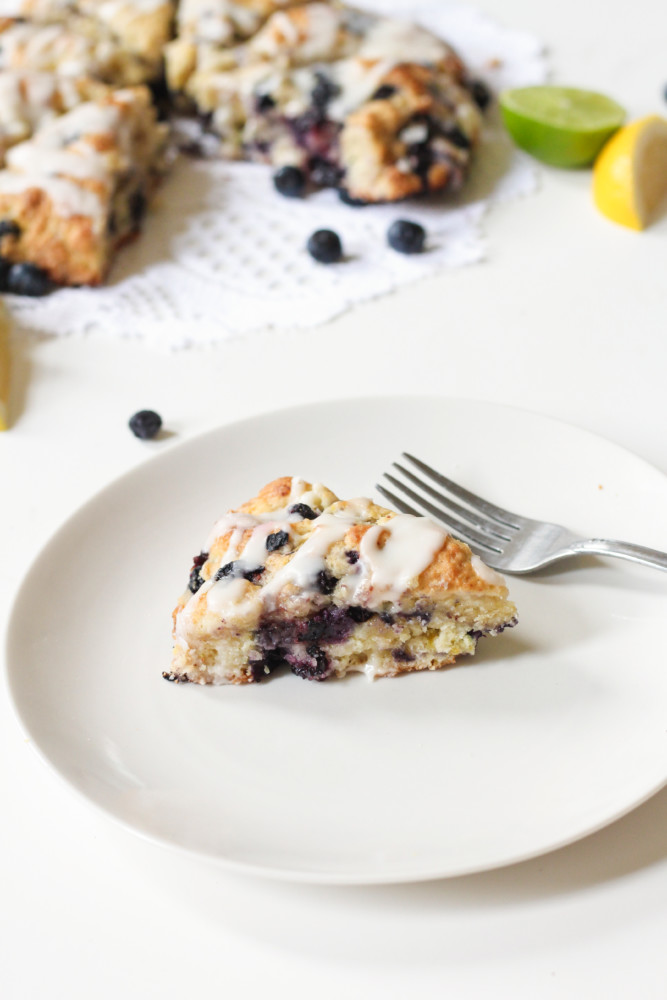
(4, 368)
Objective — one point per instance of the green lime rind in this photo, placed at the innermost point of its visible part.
(562, 126)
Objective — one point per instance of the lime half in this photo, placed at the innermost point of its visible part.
(562, 126)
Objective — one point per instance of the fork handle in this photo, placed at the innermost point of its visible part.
(623, 550)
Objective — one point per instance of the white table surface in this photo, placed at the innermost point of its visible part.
(568, 317)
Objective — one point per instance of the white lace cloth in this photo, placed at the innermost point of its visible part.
(222, 254)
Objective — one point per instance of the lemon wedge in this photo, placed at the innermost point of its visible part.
(4, 368)
(630, 174)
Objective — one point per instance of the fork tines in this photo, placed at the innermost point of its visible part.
(480, 523)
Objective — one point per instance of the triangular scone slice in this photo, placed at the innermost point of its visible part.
(296, 576)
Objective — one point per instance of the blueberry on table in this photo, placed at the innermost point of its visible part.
(28, 279)
(406, 237)
(290, 182)
(325, 246)
(145, 424)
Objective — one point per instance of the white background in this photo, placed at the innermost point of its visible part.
(568, 317)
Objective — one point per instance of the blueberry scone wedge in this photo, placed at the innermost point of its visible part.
(71, 195)
(379, 108)
(297, 577)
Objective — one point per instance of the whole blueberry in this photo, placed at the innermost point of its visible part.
(326, 583)
(457, 137)
(347, 199)
(406, 237)
(9, 228)
(481, 94)
(276, 540)
(229, 569)
(137, 204)
(323, 173)
(196, 579)
(303, 510)
(325, 246)
(324, 90)
(384, 92)
(5, 268)
(290, 182)
(265, 103)
(28, 279)
(145, 424)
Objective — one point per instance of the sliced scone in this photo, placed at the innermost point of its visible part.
(79, 188)
(297, 577)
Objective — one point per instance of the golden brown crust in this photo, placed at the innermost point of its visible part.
(68, 249)
(271, 497)
(375, 152)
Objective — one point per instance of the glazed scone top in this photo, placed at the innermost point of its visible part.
(349, 552)
(76, 158)
(29, 99)
(325, 33)
(224, 22)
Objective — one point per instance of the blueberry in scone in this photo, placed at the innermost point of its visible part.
(355, 587)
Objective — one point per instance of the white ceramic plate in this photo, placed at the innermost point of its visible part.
(553, 730)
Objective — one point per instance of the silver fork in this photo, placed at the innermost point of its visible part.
(505, 541)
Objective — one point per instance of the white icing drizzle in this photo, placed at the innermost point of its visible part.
(409, 545)
(298, 488)
(487, 574)
(60, 154)
(68, 198)
(354, 49)
(392, 555)
(308, 560)
(303, 35)
(232, 600)
(31, 158)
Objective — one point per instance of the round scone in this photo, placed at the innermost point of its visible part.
(380, 108)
